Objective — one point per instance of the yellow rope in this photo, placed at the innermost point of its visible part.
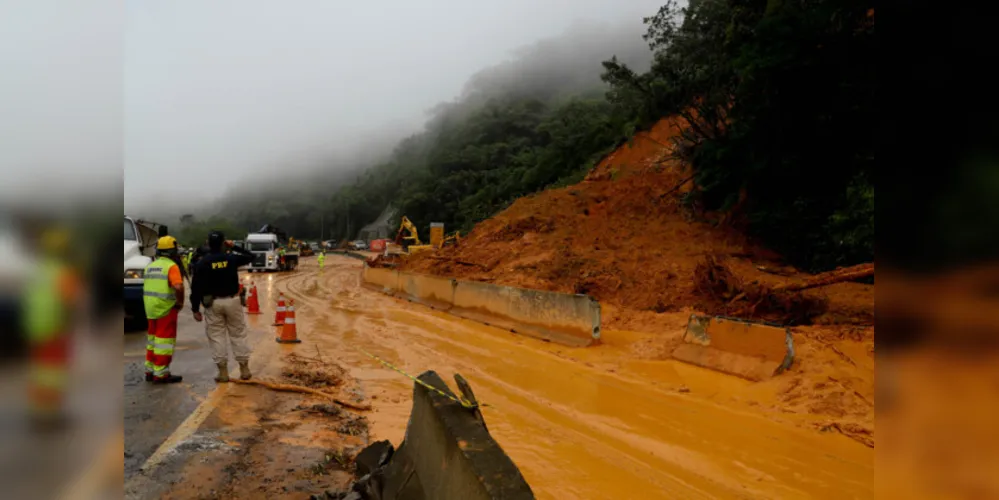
(457, 399)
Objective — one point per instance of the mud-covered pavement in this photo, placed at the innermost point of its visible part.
(580, 423)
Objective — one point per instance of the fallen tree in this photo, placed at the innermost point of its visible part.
(731, 295)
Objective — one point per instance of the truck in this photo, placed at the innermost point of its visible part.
(140, 249)
(265, 245)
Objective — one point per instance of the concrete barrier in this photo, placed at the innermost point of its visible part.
(381, 279)
(755, 351)
(448, 453)
(432, 291)
(558, 317)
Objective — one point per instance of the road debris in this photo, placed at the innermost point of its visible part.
(304, 390)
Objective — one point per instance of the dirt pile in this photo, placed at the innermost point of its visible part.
(625, 237)
(312, 372)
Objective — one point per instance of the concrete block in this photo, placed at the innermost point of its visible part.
(564, 318)
(431, 291)
(449, 453)
(383, 280)
(559, 317)
(755, 351)
(373, 456)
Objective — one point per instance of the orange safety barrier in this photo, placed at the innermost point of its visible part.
(279, 313)
(252, 303)
(289, 333)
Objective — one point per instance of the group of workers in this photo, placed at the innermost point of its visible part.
(215, 285)
(213, 273)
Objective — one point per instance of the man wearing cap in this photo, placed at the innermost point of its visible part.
(216, 286)
(163, 297)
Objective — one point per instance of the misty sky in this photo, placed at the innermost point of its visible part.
(216, 91)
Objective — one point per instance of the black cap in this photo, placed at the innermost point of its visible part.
(215, 240)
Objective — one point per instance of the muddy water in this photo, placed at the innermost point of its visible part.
(580, 423)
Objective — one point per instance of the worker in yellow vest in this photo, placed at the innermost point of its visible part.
(187, 261)
(163, 295)
(321, 259)
(49, 303)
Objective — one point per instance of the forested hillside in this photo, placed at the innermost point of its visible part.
(777, 99)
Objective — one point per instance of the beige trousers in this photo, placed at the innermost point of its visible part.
(225, 318)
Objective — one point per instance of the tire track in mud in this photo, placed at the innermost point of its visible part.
(575, 429)
(381, 333)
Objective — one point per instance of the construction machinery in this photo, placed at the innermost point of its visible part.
(412, 242)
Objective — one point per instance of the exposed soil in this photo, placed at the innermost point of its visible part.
(625, 237)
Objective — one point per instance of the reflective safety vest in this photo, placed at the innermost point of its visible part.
(157, 295)
(44, 312)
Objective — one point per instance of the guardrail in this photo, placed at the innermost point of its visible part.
(570, 319)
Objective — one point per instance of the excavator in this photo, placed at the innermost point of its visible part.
(412, 242)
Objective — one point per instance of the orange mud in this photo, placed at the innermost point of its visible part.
(623, 237)
(614, 421)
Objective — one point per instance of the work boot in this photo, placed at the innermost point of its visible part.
(169, 379)
(244, 370)
(149, 377)
(223, 375)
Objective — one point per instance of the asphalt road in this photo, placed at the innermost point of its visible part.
(152, 411)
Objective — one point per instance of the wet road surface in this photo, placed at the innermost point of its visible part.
(580, 423)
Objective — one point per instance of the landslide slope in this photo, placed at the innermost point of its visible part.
(623, 236)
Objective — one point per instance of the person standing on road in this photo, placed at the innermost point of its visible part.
(321, 259)
(216, 286)
(163, 297)
(50, 301)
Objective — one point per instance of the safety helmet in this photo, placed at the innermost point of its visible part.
(167, 243)
(55, 240)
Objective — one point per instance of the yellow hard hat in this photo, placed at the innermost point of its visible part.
(166, 243)
(55, 240)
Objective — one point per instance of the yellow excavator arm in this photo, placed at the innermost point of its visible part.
(407, 225)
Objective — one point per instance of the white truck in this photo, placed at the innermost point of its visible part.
(266, 255)
(140, 248)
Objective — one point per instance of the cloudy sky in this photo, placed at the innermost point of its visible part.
(192, 96)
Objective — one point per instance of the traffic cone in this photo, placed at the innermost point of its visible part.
(289, 333)
(279, 313)
(252, 304)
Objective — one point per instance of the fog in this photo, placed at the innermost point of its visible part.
(224, 94)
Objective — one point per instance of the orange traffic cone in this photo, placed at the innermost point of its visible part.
(280, 312)
(289, 333)
(252, 304)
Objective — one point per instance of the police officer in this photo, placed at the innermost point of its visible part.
(215, 285)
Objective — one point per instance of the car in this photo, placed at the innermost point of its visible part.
(359, 245)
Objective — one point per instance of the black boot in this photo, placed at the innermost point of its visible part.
(149, 377)
(169, 379)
